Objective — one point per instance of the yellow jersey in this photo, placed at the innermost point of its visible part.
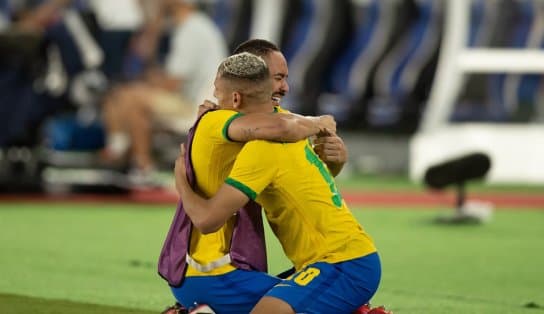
(301, 202)
(212, 155)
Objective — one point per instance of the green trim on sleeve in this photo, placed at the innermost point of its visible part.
(227, 124)
(242, 187)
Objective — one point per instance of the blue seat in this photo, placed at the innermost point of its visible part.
(501, 97)
(348, 83)
(321, 31)
(300, 29)
(521, 91)
(233, 17)
(402, 81)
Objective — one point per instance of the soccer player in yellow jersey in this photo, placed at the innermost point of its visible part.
(337, 265)
(243, 83)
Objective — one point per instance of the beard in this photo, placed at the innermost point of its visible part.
(277, 96)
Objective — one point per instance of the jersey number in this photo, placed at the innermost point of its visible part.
(304, 277)
(314, 160)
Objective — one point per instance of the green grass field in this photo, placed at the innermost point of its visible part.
(101, 258)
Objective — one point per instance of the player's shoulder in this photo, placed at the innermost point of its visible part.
(220, 115)
(217, 122)
(221, 112)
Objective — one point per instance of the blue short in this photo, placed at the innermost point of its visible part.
(232, 293)
(331, 288)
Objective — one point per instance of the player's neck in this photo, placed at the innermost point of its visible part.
(258, 108)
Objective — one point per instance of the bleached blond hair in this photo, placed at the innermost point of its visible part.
(247, 74)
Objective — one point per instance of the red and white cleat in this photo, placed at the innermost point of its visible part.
(364, 309)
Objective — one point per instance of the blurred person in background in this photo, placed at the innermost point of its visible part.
(119, 22)
(24, 65)
(36, 16)
(166, 97)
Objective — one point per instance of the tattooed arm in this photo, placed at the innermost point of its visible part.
(283, 127)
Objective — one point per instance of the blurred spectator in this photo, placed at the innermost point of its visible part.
(118, 21)
(165, 98)
(23, 39)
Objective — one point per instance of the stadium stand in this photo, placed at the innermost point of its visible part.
(401, 83)
(27, 96)
(370, 63)
(349, 86)
(507, 144)
(234, 18)
(322, 30)
(267, 19)
(496, 97)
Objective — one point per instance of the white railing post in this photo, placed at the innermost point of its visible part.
(448, 77)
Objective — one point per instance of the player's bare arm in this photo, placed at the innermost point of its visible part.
(159, 78)
(208, 215)
(284, 127)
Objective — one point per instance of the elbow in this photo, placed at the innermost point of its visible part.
(287, 132)
(207, 225)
